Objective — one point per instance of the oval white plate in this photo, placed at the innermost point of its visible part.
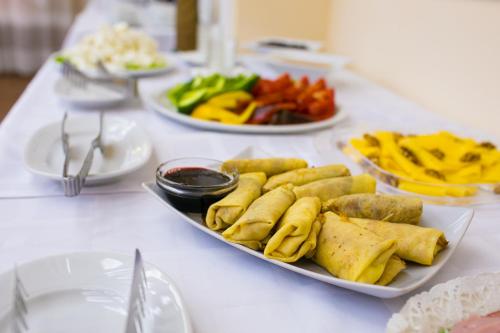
(127, 148)
(453, 221)
(159, 103)
(91, 96)
(88, 292)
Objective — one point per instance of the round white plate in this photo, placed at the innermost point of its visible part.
(91, 96)
(159, 103)
(127, 148)
(172, 62)
(88, 292)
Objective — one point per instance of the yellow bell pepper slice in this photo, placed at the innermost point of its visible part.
(230, 100)
(214, 113)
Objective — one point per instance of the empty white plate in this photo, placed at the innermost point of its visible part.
(88, 292)
(91, 96)
(127, 148)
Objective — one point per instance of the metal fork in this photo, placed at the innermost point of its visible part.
(74, 76)
(73, 184)
(130, 83)
(137, 299)
(65, 145)
(81, 80)
(19, 323)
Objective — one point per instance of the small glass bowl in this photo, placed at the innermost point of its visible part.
(194, 198)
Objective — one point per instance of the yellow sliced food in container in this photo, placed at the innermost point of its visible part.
(452, 191)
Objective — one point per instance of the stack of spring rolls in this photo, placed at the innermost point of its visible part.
(290, 211)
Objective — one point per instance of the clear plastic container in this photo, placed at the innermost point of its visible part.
(392, 183)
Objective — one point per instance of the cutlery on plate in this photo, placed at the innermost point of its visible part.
(130, 83)
(74, 76)
(137, 298)
(65, 145)
(73, 184)
(81, 80)
(19, 323)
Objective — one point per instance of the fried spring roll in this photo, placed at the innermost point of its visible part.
(306, 175)
(350, 252)
(326, 189)
(226, 211)
(253, 227)
(296, 231)
(270, 166)
(415, 243)
(391, 208)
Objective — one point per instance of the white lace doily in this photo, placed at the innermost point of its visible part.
(448, 303)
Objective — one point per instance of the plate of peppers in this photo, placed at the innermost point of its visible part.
(248, 103)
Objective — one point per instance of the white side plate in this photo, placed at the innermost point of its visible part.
(158, 102)
(88, 292)
(127, 148)
(92, 96)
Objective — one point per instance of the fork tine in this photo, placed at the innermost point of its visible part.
(137, 299)
(19, 309)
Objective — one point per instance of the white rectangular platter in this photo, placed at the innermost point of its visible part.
(453, 221)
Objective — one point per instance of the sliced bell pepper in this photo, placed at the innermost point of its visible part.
(215, 113)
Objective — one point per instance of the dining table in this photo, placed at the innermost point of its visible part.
(225, 290)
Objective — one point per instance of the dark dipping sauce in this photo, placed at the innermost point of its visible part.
(194, 189)
(194, 176)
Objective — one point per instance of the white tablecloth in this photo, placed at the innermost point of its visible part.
(225, 290)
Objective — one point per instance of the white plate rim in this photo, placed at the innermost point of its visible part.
(374, 290)
(147, 265)
(171, 59)
(85, 103)
(92, 178)
(153, 102)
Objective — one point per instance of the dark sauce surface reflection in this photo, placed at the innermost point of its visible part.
(201, 179)
(195, 176)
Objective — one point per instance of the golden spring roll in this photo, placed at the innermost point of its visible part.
(391, 208)
(326, 189)
(295, 235)
(350, 252)
(394, 266)
(225, 212)
(306, 175)
(417, 244)
(254, 226)
(270, 166)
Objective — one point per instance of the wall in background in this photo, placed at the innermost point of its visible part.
(442, 54)
(290, 18)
